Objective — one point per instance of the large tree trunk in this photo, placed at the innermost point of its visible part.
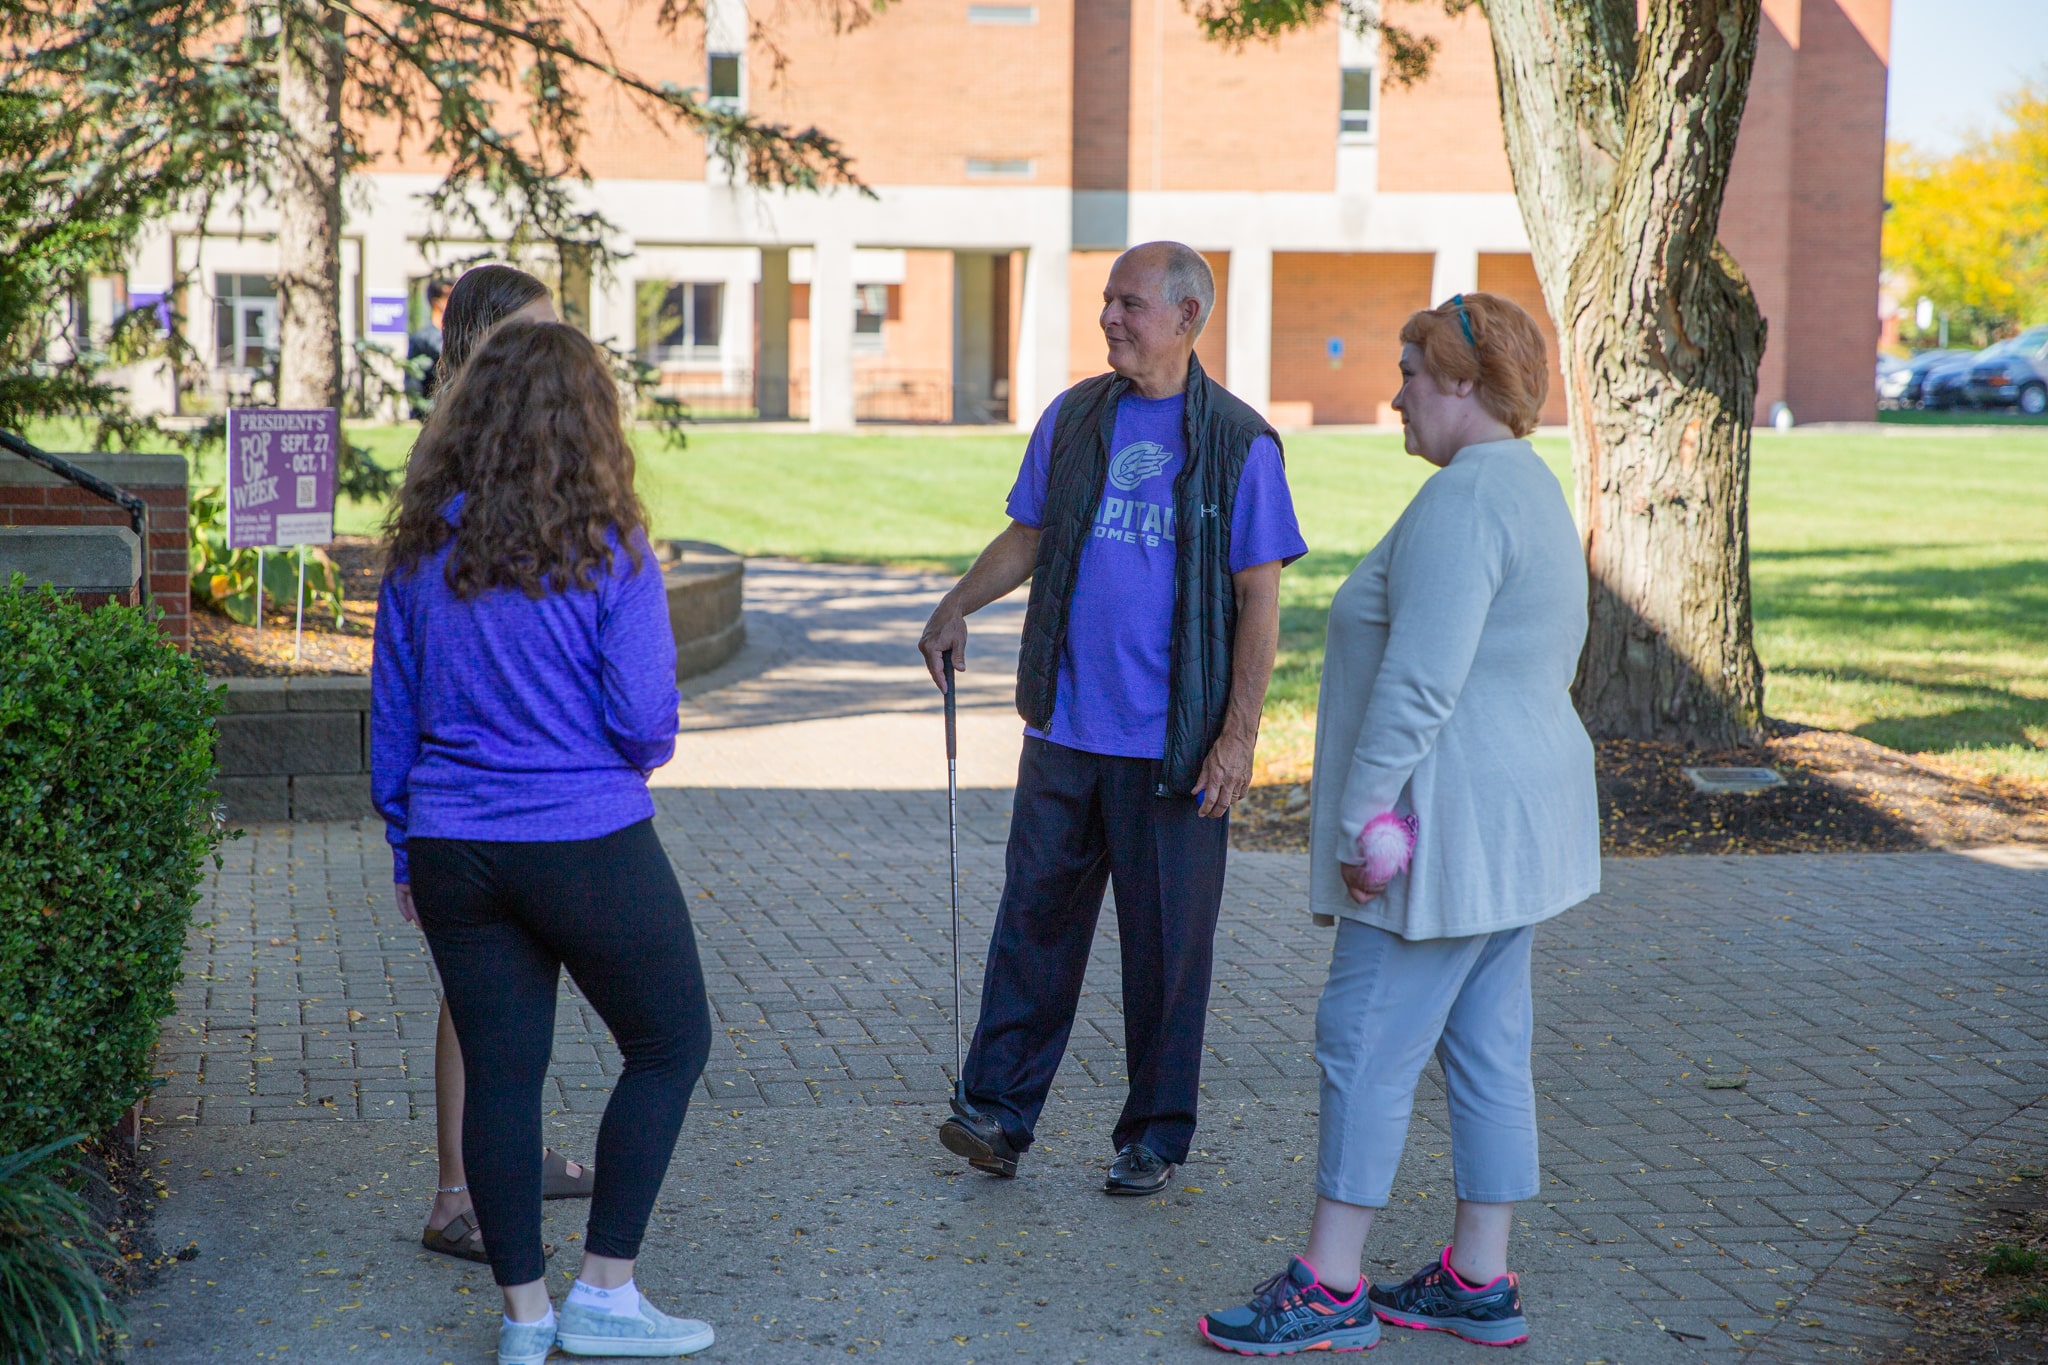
(312, 66)
(1620, 141)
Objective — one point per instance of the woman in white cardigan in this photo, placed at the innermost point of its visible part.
(1454, 810)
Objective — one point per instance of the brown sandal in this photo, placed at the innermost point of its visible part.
(459, 1237)
(557, 1183)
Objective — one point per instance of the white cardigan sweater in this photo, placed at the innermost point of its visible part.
(1446, 694)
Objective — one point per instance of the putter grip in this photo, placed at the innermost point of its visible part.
(952, 730)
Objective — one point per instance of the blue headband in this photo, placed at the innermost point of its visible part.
(1464, 319)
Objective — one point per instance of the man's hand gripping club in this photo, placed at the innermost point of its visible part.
(1001, 569)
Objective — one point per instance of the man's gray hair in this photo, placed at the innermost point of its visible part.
(1187, 276)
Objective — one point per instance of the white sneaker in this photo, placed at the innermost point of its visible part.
(651, 1332)
(525, 1343)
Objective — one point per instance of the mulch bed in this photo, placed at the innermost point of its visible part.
(1842, 794)
(1987, 1302)
(226, 650)
(122, 1191)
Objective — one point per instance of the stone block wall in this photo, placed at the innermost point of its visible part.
(704, 584)
(32, 496)
(102, 561)
(295, 749)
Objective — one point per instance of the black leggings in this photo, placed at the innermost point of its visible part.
(502, 919)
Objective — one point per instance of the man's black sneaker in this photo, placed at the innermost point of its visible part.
(1436, 1300)
(979, 1138)
(1294, 1312)
(1137, 1170)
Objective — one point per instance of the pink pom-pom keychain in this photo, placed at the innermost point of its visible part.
(1385, 845)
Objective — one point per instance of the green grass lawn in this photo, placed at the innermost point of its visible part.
(1901, 577)
(1902, 591)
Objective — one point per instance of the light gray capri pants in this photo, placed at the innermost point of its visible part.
(1389, 1001)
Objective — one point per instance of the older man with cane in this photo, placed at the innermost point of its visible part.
(1152, 519)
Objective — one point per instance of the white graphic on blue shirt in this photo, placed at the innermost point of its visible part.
(1127, 519)
(1137, 462)
(1135, 523)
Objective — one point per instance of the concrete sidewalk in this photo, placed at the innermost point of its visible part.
(831, 694)
(1888, 1016)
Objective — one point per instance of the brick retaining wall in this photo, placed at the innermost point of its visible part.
(32, 496)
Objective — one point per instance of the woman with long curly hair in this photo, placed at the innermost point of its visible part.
(524, 687)
(480, 300)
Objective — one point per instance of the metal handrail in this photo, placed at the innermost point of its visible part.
(137, 509)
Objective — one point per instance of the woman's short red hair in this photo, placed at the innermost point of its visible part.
(1505, 359)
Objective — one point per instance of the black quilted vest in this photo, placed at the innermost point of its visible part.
(1219, 429)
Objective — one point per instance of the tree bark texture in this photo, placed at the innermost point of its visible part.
(312, 67)
(1620, 139)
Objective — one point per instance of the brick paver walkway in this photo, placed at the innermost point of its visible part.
(1765, 1083)
(1887, 1015)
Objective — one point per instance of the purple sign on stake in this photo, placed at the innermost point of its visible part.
(281, 464)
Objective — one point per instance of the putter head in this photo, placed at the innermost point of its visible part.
(961, 1105)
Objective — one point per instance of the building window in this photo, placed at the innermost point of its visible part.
(873, 305)
(1357, 104)
(870, 307)
(1000, 168)
(244, 321)
(724, 80)
(680, 323)
(1013, 16)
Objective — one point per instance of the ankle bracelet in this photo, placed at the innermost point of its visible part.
(451, 1189)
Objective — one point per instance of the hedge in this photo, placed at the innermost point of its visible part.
(106, 818)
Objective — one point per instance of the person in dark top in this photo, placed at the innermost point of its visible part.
(425, 344)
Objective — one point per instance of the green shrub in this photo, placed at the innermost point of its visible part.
(53, 1302)
(2006, 1259)
(106, 815)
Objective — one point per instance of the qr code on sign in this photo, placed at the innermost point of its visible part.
(307, 496)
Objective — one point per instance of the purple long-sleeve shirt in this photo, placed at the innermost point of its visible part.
(505, 718)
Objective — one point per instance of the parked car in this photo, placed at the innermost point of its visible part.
(1902, 387)
(2013, 374)
(1947, 381)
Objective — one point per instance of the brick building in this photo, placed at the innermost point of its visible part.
(1015, 147)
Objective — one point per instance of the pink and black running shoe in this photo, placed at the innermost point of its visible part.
(1293, 1312)
(1436, 1300)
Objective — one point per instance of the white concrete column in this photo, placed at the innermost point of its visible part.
(1042, 332)
(1456, 272)
(771, 366)
(1248, 346)
(832, 335)
(612, 319)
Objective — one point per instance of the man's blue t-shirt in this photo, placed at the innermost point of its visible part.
(1113, 680)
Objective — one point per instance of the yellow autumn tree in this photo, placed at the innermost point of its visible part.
(1970, 231)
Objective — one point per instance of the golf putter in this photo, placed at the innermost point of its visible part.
(960, 1105)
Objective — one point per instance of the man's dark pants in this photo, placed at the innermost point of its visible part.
(1081, 821)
